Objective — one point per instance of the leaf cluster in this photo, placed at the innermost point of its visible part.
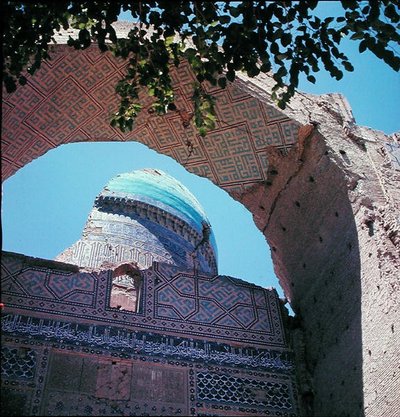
(216, 39)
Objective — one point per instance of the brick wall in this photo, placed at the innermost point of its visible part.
(197, 345)
(327, 206)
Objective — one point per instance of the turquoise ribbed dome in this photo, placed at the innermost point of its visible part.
(143, 217)
(159, 189)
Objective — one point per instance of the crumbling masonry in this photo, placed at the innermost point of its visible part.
(323, 191)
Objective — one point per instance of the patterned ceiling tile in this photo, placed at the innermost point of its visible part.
(33, 147)
(72, 98)
(105, 95)
(89, 75)
(290, 131)
(93, 56)
(203, 170)
(182, 95)
(236, 94)
(24, 100)
(182, 74)
(19, 148)
(190, 140)
(46, 79)
(100, 130)
(64, 111)
(263, 163)
(164, 133)
(7, 109)
(266, 135)
(247, 110)
(232, 155)
(272, 114)
(145, 135)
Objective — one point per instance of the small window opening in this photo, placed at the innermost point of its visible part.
(126, 289)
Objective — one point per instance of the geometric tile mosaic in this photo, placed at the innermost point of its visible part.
(18, 363)
(199, 345)
(71, 99)
(219, 301)
(225, 388)
(173, 301)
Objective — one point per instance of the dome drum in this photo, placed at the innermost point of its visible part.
(142, 217)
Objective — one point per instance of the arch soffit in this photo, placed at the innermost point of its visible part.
(72, 97)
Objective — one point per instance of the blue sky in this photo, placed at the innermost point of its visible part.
(46, 203)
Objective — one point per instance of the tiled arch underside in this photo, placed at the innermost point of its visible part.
(71, 99)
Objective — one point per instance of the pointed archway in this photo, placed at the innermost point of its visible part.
(321, 190)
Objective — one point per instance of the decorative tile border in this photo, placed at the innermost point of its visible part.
(177, 302)
(50, 390)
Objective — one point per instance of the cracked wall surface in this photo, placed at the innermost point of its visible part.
(323, 191)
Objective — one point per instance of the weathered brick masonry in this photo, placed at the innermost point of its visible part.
(324, 192)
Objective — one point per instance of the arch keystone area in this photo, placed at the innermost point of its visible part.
(323, 191)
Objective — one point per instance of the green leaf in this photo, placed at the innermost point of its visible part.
(390, 12)
(265, 67)
(225, 19)
(281, 57)
(311, 78)
(338, 75)
(169, 40)
(356, 36)
(253, 71)
(235, 11)
(348, 66)
(230, 75)
(286, 39)
(286, 33)
(222, 82)
(349, 4)
(22, 80)
(363, 46)
(274, 48)
(10, 84)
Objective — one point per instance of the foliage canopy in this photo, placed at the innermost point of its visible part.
(216, 39)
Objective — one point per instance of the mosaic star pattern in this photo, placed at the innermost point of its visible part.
(172, 300)
(217, 300)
